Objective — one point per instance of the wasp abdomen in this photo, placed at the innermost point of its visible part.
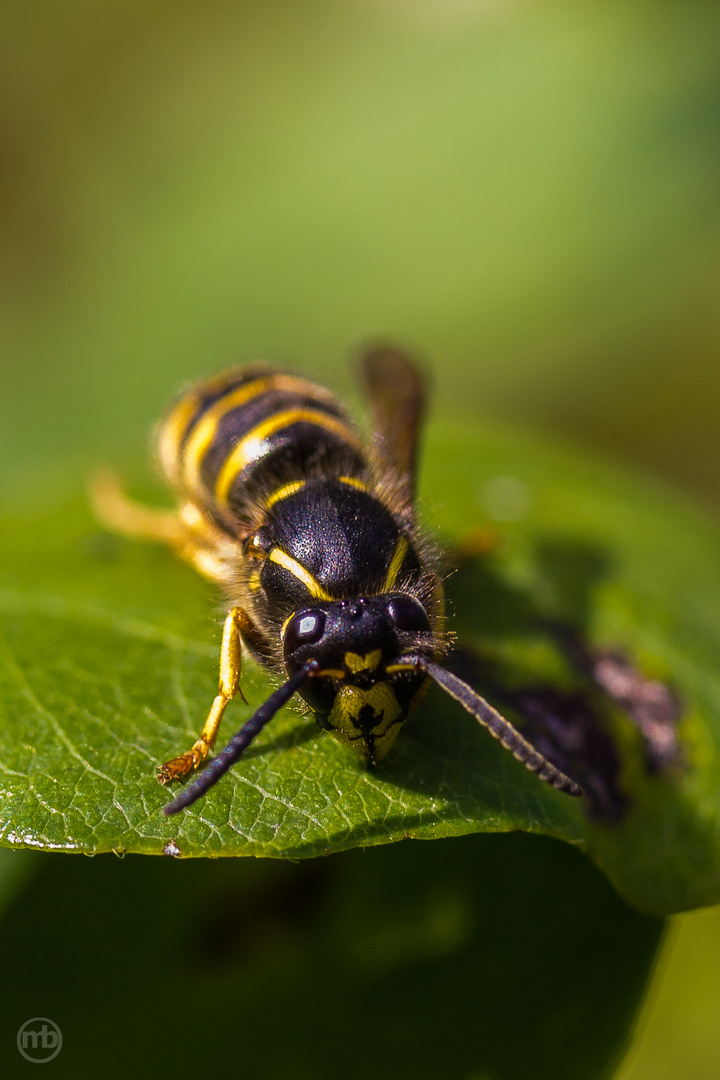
(232, 438)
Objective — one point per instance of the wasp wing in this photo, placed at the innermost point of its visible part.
(396, 390)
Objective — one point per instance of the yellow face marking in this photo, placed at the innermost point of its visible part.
(349, 702)
(401, 549)
(392, 668)
(254, 581)
(283, 492)
(363, 663)
(352, 482)
(277, 555)
(253, 445)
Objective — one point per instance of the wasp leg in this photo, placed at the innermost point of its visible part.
(121, 514)
(207, 561)
(230, 669)
(188, 531)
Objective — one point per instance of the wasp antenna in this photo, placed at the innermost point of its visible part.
(500, 728)
(240, 742)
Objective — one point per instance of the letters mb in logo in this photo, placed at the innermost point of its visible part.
(39, 1040)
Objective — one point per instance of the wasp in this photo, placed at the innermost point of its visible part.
(311, 532)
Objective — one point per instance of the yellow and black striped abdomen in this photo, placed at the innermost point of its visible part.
(234, 438)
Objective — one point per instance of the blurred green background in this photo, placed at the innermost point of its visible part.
(527, 193)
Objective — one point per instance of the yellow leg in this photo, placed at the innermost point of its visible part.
(230, 668)
(188, 530)
(123, 515)
(207, 561)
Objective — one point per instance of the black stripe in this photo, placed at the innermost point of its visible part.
(213, 389)
(299, 451)
(238, 422)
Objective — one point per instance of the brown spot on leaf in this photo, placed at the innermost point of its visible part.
(654, 707)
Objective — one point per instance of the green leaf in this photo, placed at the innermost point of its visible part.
(108, 664)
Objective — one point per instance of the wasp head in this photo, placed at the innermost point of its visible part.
(358, 690)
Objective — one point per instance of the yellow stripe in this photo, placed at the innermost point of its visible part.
(175, 425)
(251, 446)
(206, 430)
(277, 555)
(399, 554)
(171, 434)
(352, 482)
(290, 489)
(283, 492)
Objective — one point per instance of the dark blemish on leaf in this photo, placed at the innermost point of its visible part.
(171, 848)
(238, 928)
(570, 725)
(568, 728)
(653, 706)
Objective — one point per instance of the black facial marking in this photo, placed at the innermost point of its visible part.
(367, 719)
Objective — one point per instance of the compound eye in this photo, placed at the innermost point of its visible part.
(304, 629)
(408, 614)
